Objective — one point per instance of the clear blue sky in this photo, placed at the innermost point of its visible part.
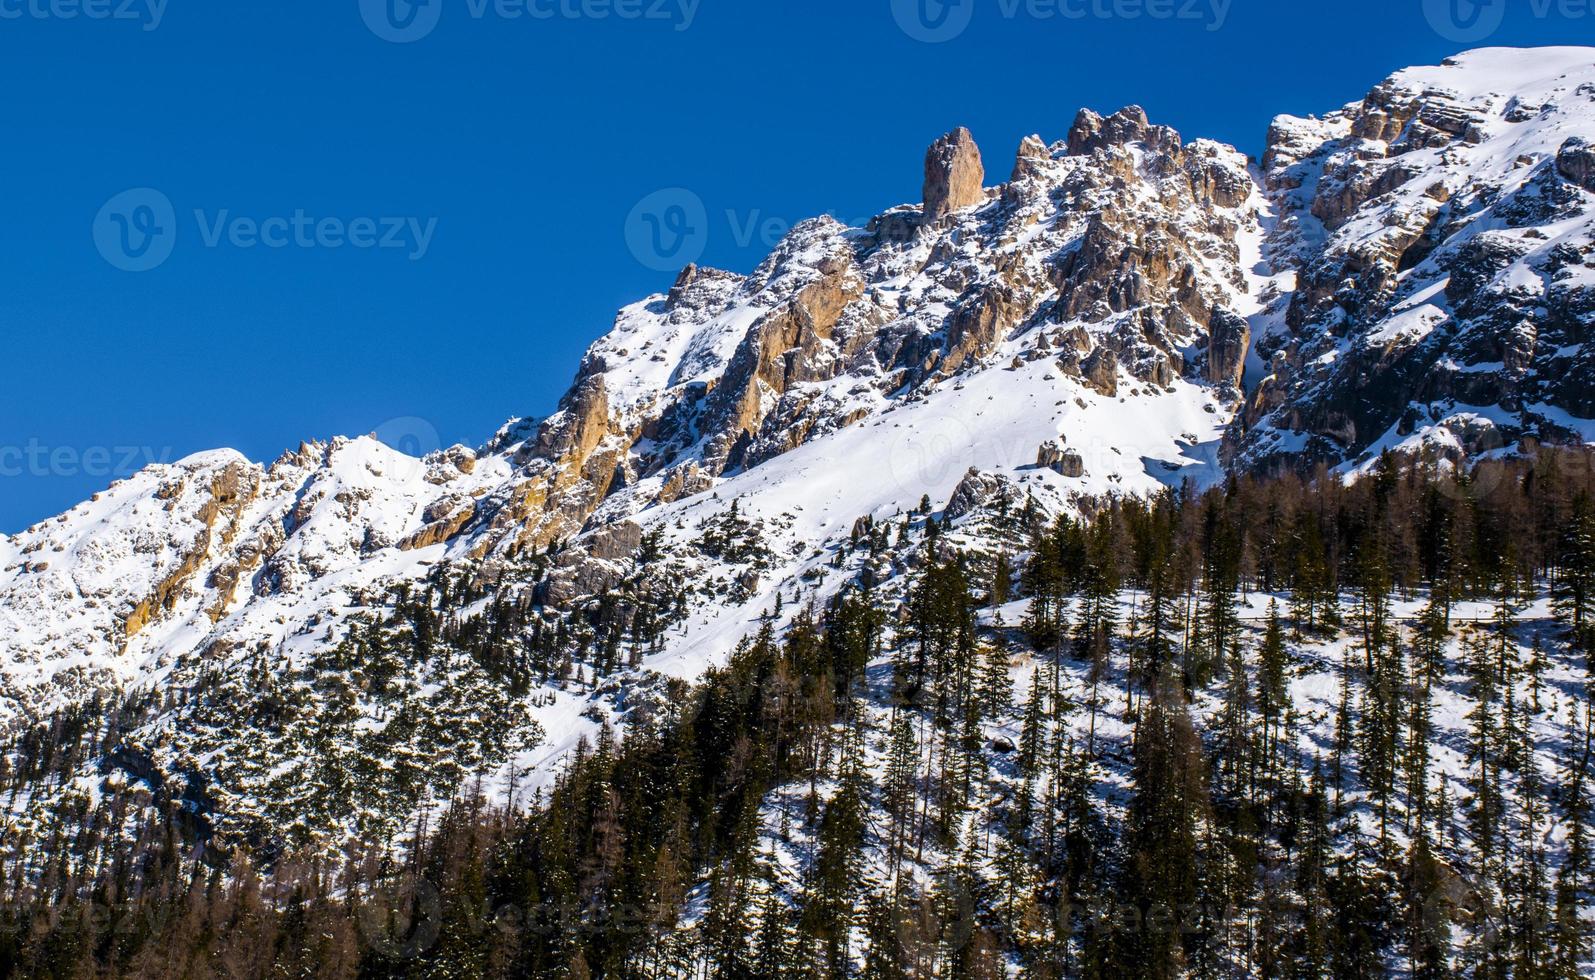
(521, 146)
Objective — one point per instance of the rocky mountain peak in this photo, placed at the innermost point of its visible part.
(1129, 125)
(954, 175)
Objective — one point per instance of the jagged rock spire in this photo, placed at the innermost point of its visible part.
(954, 175)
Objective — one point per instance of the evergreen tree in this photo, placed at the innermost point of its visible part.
(1574, 585)
(1165, 821)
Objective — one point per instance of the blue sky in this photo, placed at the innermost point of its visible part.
(451, 220)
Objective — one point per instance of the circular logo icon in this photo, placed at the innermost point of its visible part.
(1459, 900)
(401, 21)
(931, 457)
(136, 230)
(1465, 21)
(402, 919)
(413, 438)
(668, 229)
(933, 21)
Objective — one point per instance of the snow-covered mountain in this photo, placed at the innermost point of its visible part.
(1126, 311)
(1437, 235)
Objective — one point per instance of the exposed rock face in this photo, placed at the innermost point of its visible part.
(1431, 285)
(1050, 453)
(976, 491)
(1032, 155)
(954, 175)
(1092, 132)
(1072, 465)
(1055, 456)
(1101, 371)
(229, 492)
(1576, 161)
(1228, 342)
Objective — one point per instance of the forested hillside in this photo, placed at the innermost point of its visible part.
(1279, 728)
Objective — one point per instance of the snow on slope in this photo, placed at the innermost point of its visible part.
(1119, 295)
(210, 550)
(1446, 245)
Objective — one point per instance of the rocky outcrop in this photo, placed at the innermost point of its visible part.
(978, 491)
(1091, 132)
(228, 494)
(954, 175)
(1575, 161)
(1065, 462)
(1071, 465)
(1101, 371)
(1028, 162)
(1050, 453)
(1418, 222)
(975, 328)
(790, 346)
(1229, 340)
(445, 520)
(581, 424)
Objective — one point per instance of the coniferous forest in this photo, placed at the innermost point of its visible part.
(1285, 727)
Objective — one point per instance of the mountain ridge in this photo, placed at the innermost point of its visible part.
(1128, 312)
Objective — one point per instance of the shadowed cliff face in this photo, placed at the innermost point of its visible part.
(1440, 233)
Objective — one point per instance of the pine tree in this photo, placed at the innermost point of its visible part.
(1572, 879)
(1032, 744)
(772, 949)
(1432, 636)
(1573, 589)
(996, 684)
(1531, 923)
(1165, 820)
(1420, 730)
(1273, 687)
(1484, 777)
(828, 909)
(899, 790)
(1381, 729)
